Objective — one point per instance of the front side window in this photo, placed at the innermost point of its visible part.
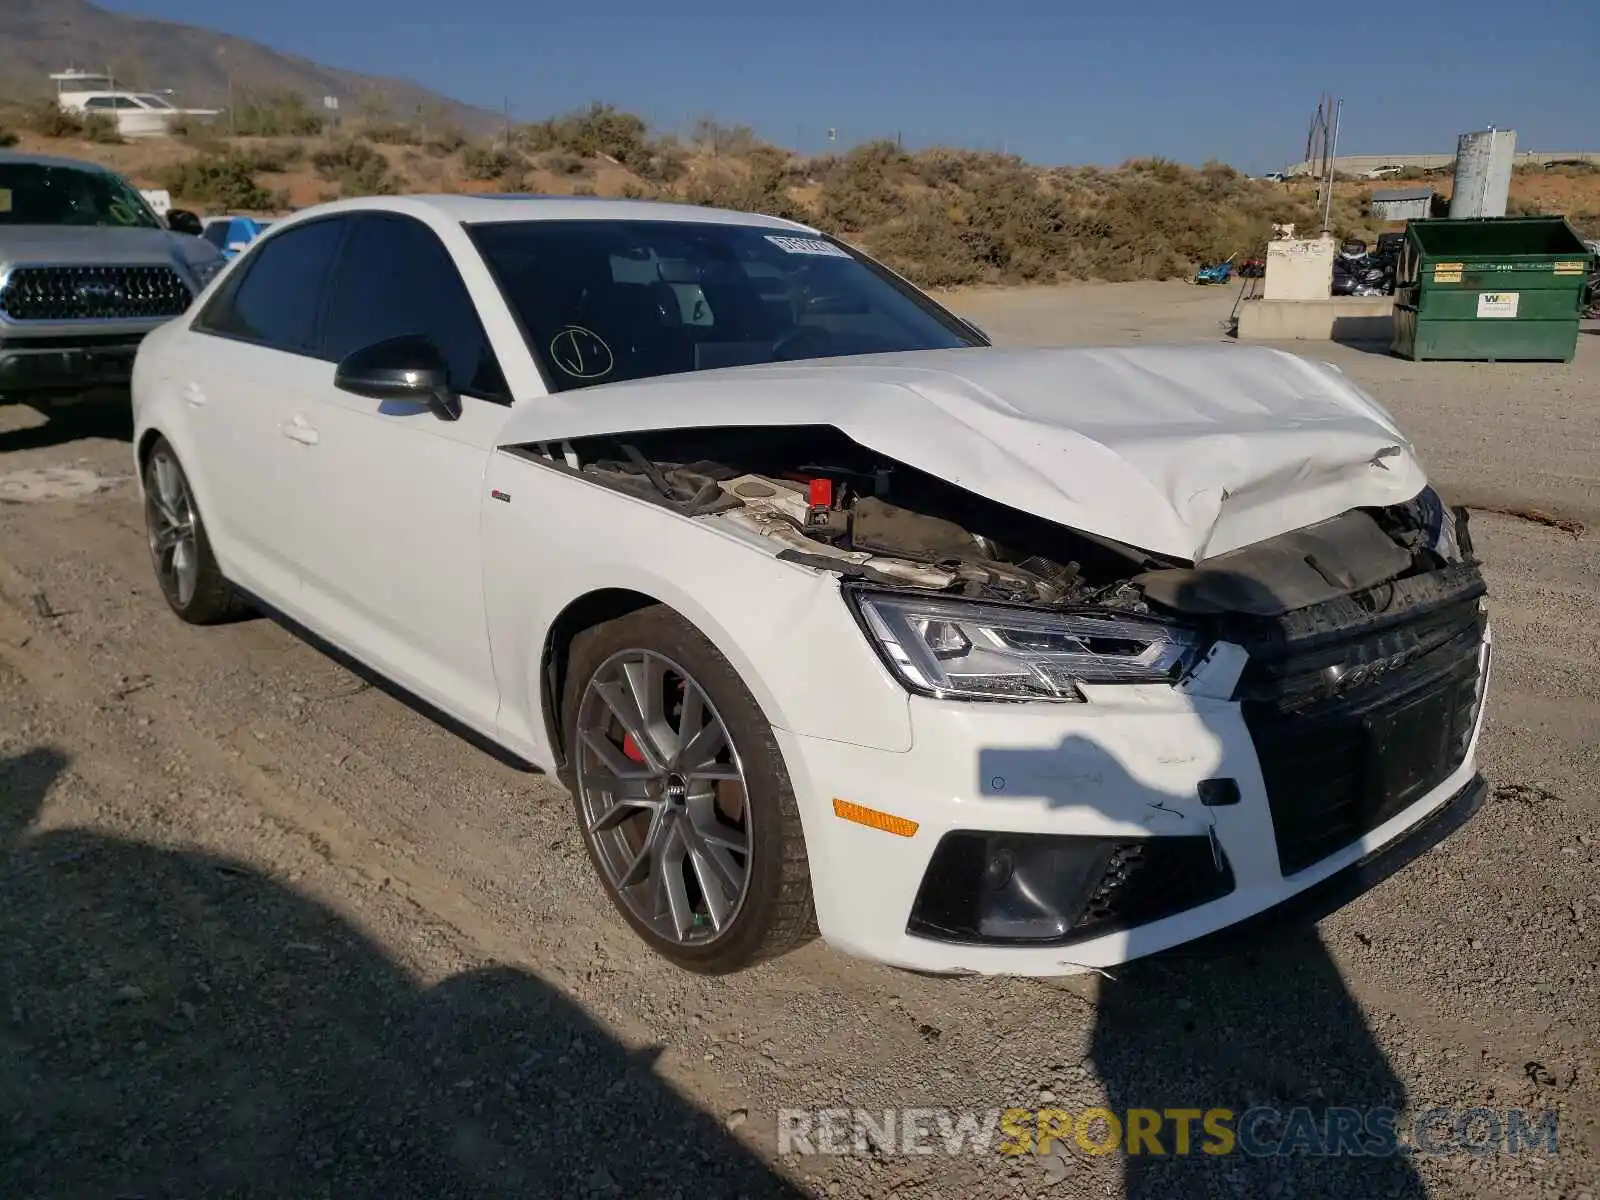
(280, 292)
(396, 278)
(34, 193)
(603, 301)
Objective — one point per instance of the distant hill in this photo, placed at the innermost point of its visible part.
(38, 37)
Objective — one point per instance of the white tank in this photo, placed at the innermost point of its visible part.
(1483, 173)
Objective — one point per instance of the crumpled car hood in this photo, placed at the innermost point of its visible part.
(1184, 451)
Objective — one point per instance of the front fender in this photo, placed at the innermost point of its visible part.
(784, 628)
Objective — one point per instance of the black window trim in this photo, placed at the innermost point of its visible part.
(960, 328)
(241, 273)
(504, 399)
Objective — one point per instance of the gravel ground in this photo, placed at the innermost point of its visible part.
(265, 930)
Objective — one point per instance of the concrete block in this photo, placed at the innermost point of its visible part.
(1300, 268)
(1333, 318)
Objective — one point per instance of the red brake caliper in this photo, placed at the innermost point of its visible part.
(631, 748)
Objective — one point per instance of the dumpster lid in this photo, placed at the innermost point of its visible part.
(1496, 237)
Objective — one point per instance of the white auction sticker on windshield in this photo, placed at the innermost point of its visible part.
(805, 245)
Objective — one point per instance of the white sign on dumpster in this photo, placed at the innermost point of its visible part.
(1497, 304)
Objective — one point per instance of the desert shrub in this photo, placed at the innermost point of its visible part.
(666, 161)
(583, 189)
(274, 114)
(268, 157)
(48, 119)
(761, 187)
(862, 189)
(391, 133)
(98, 127)
(7, 138)
(445, 140)
(1586, 223)
(486, 162)
(717, 138)
(562, 162)
(929, 245)
(599, 129)
(356, 167)
(223, 180)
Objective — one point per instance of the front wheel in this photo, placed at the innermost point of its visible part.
(682, 797)
(180, 551)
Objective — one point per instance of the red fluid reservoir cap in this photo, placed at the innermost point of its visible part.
(822, 493)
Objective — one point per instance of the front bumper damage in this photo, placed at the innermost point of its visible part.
(1052, 839)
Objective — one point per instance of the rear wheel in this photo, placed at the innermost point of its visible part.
(682, 797)
(187, 571)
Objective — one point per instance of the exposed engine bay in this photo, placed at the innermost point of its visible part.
(833, 504)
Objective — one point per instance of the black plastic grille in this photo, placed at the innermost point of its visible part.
(93, 293)
(1066, 889)
(1352, 732)
(1151, 878)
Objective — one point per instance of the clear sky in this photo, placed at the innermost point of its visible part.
(1058, 81)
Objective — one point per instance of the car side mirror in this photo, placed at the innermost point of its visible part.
(408, 368)
(181, 220)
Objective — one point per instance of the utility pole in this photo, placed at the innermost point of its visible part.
(1333, 167)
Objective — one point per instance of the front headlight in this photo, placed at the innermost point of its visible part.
(954, 648)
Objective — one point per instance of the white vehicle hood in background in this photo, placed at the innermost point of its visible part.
(1185, 451)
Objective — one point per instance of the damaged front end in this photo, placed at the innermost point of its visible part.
(969, 597)
(1357, 645)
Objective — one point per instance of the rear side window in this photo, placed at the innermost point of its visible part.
(277, 300)
(395, 278)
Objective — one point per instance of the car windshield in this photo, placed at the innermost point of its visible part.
(46, 194)
(604, 301)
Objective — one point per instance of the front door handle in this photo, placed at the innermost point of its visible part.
(298, 430)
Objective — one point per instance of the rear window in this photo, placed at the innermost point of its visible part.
(605, 301)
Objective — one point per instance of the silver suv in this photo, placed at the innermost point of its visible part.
(86, 270)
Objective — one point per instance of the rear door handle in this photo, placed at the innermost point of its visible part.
(193, 396)
(299, 431)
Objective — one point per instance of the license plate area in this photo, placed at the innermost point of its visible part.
(1411, 746)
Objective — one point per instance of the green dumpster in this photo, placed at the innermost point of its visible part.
(1489, 289)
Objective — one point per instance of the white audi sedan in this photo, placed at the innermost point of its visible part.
(830, 615)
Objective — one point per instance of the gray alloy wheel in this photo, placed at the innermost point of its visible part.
(180, 552)
(663, 797)
(172, 522)
(681, 794)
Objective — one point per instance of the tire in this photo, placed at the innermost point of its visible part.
(180, 551)
(632, 801)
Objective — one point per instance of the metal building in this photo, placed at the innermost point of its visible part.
(1483, 173)
(1402, 204)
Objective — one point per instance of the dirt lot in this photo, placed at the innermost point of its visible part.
(265, 930)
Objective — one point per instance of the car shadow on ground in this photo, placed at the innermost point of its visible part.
(111, 419)
(176, 1024)
(1264, 1025)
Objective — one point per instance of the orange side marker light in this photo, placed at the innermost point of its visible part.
(873, 819)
